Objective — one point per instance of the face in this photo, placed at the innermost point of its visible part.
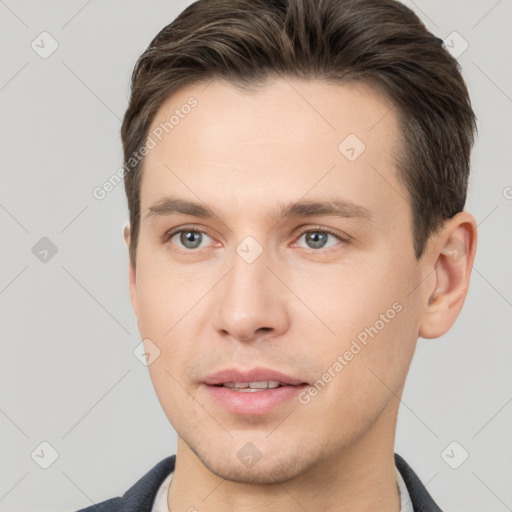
(316, 297)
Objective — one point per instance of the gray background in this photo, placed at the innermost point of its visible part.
(68, 373)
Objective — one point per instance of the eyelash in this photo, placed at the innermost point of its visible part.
(318, 229)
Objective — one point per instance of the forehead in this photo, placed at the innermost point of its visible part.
(289, 139)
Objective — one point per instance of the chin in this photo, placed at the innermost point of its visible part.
(268, 471)
(249, 465)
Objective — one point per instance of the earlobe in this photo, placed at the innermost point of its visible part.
(126, 234)
(455, 251)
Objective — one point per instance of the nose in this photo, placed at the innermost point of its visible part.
(251, 302)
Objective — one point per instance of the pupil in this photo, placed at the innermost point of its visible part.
(316, 238)
(189, 239)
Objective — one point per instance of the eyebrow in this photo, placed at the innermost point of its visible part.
(335, 207)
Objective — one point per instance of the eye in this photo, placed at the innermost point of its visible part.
(318, 238)
(188, 238)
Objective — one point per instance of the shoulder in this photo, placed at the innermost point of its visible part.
(140, 496)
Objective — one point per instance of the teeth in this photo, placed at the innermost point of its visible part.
(253, 386)
(258, 385)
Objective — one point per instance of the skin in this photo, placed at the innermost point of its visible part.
(297, 306)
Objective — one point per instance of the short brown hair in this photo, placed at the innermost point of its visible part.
(379, 42)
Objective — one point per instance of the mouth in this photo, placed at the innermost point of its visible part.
(251, 387)
(254, 392)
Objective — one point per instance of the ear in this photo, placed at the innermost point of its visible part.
(454, 249)
(131, 271)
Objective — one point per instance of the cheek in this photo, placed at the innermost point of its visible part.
(362, 374)
(375, 325)
(166, 295)
(168, 315)
(353, 300)
(177, 403)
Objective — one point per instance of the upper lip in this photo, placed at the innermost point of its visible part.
(252, 375)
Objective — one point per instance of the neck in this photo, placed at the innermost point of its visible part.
(358, 478)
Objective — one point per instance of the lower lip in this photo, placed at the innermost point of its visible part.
(253, 402)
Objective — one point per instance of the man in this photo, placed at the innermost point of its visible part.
(296, 173)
